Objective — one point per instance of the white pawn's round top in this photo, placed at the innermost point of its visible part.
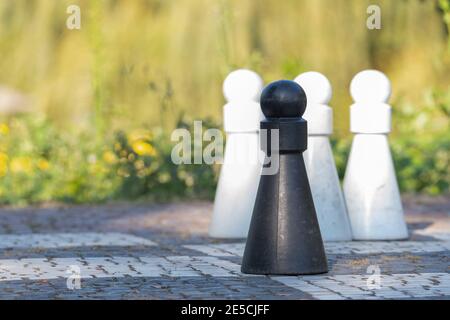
(318, 93)
(242, 85)
(242, 89)
(317, 87)
(370, 114)
(370, 86)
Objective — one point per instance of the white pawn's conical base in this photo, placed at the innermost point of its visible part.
(326, 190)
(237, 187)
(371, 191)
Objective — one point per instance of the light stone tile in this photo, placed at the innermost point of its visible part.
(354, 247)
(319, 287)
(106, 267)
(70, 240)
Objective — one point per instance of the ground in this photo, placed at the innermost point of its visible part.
(141, 251)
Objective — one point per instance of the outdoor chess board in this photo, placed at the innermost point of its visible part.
(120, 265)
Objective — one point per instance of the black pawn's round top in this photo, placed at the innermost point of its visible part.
(283, 99)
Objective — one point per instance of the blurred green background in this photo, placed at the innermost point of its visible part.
(102, 101)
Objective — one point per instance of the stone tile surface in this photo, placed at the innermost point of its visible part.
(139, 251)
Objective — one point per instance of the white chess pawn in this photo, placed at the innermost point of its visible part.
(240, 173)
(370, 186)
(323, 178)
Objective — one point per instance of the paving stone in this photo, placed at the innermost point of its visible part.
(163, 252)
(68, 240)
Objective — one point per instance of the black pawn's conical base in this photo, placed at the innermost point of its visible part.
(284, 236)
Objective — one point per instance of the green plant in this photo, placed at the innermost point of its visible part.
(38, 163)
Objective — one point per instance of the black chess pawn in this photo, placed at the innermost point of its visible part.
(284, 236)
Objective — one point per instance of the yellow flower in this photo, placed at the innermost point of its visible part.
(3, 164)
(189, 181)
(164, 177)
(117, 146)
(21, 165)
(4, 129)
(123, 154)
(139, 134)
(43, 165)
(109, 157)
(123, 173)
(143, 148)
(96, 168)
(139, 165)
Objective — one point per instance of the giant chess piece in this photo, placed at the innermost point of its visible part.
(322, 173)
(370, 186)
(241, 169)
(284, 236)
